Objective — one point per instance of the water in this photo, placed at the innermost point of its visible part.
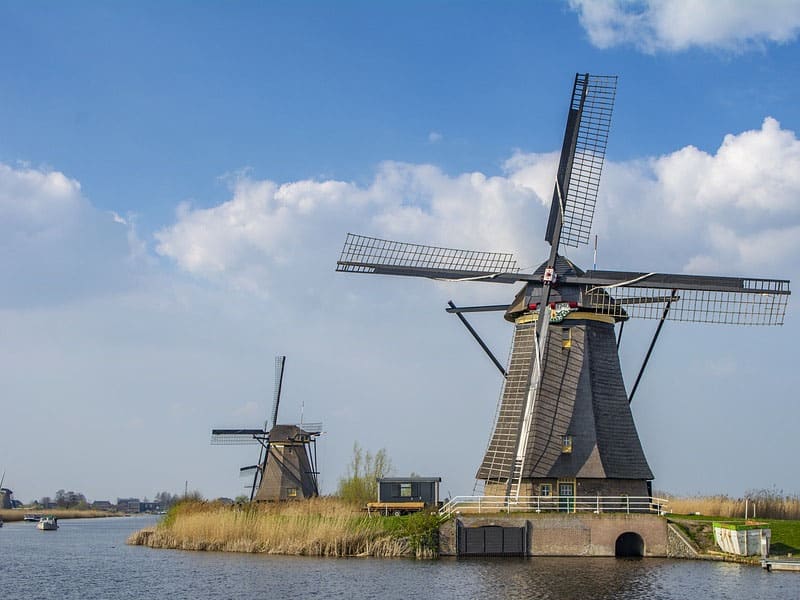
(88, 558)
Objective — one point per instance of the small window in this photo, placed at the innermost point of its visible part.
(545, 489)
(566, 444)
(405, 490)
(291, 492)
(566, 338)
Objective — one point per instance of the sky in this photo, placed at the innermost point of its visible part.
(177, 180)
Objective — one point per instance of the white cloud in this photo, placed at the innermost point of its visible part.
(248, 409)
(756, 171)
(724, 211)
(265, 225)
(53, 244)
(675, 25)
(434, 137)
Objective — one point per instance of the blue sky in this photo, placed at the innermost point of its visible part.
(176, 180)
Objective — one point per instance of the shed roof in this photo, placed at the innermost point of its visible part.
(409, 479)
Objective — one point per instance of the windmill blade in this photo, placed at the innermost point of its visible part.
(362, 254)
(693, 298)
(581, 162)
(280, 362)
(238, 437)
(246, 471)
(310, 428)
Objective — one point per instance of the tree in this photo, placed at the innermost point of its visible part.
(361, 483)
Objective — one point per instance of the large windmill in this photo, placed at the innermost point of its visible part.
(287, 460)
(564, 424)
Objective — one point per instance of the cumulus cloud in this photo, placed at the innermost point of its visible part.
(717, 212)
(54, 245)
(676, 25)
(265, 225)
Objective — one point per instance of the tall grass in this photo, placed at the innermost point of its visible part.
(761, 504)
(316, 527)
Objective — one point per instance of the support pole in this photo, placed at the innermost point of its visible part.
(478, 339)
(652, 344)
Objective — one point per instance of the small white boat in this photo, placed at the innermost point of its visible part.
(47, 524)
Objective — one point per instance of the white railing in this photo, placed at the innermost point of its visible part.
(565, 504)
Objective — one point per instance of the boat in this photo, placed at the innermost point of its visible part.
(47, 523)
(33, 517)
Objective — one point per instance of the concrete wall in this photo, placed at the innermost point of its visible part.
(581, 534)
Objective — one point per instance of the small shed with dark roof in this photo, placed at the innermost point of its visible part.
(409, 489)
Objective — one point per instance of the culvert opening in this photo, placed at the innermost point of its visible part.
(629, 544)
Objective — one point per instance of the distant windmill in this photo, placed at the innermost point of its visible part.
(287, 460)
(6, 495)
(564, 422)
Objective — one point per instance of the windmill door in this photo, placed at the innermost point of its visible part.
(566, 496)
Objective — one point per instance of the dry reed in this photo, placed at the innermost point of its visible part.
(16, 514)
(764, 504)
(318, 527)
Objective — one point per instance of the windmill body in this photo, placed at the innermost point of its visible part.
(287, 472)
(564, 425)
(582, 439)
(287, 461)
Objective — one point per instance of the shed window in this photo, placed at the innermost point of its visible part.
(405, 490)
(291, 492)
(545, 489)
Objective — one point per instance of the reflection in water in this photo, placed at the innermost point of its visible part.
(89, 559)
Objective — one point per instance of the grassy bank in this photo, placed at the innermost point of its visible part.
(9, 515)
(785, 532)
(318, 527)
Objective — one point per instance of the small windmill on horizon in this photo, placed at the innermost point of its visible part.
(564, 425)
(287, 458)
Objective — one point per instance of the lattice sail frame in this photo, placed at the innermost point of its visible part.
(362, 254)
(238, 437)
(590, 150)
(763, 303)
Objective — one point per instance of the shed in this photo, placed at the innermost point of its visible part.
(409, 489)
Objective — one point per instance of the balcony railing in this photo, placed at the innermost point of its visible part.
(565, 504)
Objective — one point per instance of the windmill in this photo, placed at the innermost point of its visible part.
(6, 495)
(563, 424)
(287, 458)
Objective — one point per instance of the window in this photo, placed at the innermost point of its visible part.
(566, 338)
(405, 490)
(545, 489)
(291, 492)
(566, 444)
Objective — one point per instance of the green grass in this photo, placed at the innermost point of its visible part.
(785, 533)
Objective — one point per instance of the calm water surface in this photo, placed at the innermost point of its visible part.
(89, 559)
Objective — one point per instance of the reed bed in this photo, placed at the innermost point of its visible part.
(16, 514)
(764, 504)
(317, 527)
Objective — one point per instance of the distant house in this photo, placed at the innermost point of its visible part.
(149, 506)
(409, 489)
(128, 505)
(102, 505)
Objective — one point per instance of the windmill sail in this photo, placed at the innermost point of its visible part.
(362, 254)
(582, 156)
(695, 299)
(280, 363)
